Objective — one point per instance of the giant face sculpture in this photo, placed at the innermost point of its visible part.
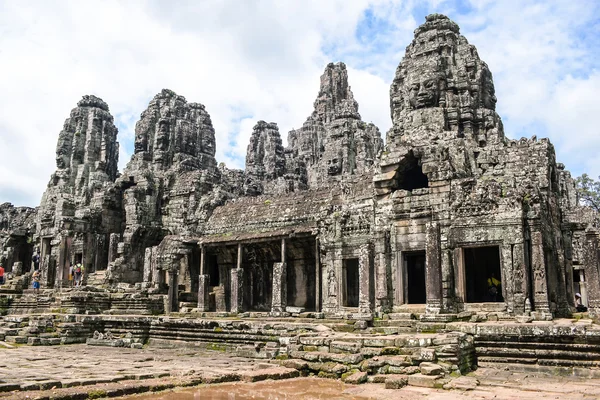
(488, 96)
(141, 142)
(162, 136)
(334, 164)
(424, 91)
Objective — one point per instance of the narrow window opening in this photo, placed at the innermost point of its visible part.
(410, 175)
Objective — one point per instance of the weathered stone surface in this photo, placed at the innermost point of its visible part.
(332, 226)
(428, 368)
(396, 381)
(355, 378)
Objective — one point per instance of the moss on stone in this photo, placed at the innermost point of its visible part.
(216, 347)
(328, 375)
(96, 394)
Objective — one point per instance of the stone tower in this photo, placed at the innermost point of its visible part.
(334, 141)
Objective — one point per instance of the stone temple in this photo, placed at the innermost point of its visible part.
(338, 225)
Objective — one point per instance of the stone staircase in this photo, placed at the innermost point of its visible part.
(96, 279)
(35, 330)
(560, 343)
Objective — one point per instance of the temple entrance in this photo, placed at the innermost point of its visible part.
(214, 277)
(257, 264)
(300, 262)
(482, 274)
(350, 282)
(415, 276)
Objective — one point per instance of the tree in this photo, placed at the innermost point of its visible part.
(588, 191)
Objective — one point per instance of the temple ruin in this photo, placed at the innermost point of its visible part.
(337, 225)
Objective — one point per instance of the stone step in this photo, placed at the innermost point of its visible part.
(523, 353)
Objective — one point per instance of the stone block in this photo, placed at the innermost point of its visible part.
(428, 368)
(347, 347)
(345, 358)
(396, 381)
(361, 325)
(355, 378)
(462, 383)
(428, 381)
(9, 387)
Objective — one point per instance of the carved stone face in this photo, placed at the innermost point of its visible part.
(162, 136)
(141, 142)
(489, 93)
(424, 91)
(334, 165)
(61, 161)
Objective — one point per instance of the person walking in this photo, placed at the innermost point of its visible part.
(71, 270)
(35, 278)
(36, 260)
(1, 274)
(78, 273)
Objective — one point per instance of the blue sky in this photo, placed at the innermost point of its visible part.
(261, 59)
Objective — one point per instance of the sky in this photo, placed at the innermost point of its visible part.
(251, 60)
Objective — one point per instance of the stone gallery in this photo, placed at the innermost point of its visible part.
(445, 219)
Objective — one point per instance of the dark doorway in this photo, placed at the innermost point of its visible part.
(415, 274)
(410, 175)
(257, 264)
(351, 282)
(301, 280)
(482, 272)
(214, 279)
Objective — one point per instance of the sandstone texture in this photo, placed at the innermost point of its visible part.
(449, 220)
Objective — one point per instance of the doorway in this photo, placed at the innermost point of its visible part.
(482, 274)
(351, 282)
(415, 277)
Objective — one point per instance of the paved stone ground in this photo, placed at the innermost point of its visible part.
(80, 369)
(80, 365)
(495, 385)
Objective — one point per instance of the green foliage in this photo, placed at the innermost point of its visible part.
(268, 202)
(588, 191)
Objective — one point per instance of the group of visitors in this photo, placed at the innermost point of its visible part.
(76, 273)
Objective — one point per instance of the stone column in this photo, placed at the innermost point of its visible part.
(433, 269)
(202, 260)
(203, 301)
(381, 266)
(173, 296)
(237, 298)
(538, 266)
(279, 298)
(590, 257)
(147, 274)
(113, 244)
(583, 288)
(519, 278)
(364, 278)
(317, 277)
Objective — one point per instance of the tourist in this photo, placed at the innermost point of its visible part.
(71, 275)
(1, 274)
(578, 304)
(493, 287)
(78, 273)
(35, 278)
(36, 260)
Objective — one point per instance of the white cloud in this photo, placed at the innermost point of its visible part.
(261, 59)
